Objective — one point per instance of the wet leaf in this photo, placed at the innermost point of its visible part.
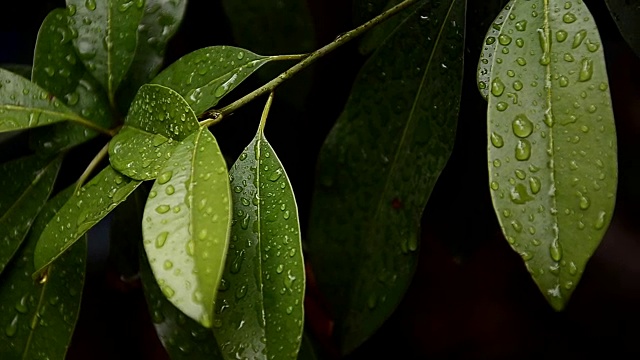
(38, 316)
(26, 184)
(186, 225)
(182, 337)
(379, 34)
(204, 76)
(105, 35)
(626, 14)
(84, 210)
(18, 69)
(24, 104)
(57, 68)
(260, 306)
(552, 142)
(159, 118)
(378, 167)
(159, 23)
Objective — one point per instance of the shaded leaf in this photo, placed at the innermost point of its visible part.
(186, 225)
(57, 68)
(126, 233)
(626, 14)
(377, 36)
(261, 308)
(26, 184)
(38, 316)
(307, 350)
(105, 35)
(378, 167)
(206, 75)
(159, 118)
(18, 69)
(24, 104)
(84, 209)
(552, 152)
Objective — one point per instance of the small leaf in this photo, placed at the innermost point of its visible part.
(183, 338)
(626, 14)
(105, 35)
(186, 225)
(261, 303)
(18, 69)
(378, 167)
(85, 209)
(26, 184)
(159, 118)
(57, 68)
(38, 316)
(204, 76)
(552, 150)
(24, 104)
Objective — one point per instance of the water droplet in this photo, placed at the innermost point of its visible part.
(152, 194)
(592, 47)
(569, 18)
(497, 87)
(21, 305)
(168, 291)
(170, 190)
(161, 239)
(534, 184)
(523, 150)
(241, 292)
(578, 38)
(600, 220)
(521, 25)
(573, 269)
(191, 248)
(522, 126)
(497, 163)
(167, 265)
(490, 40)
(502, 106)
(555, 250)
(90, 4)
(519, 194)
(520, 42)
(372, 301)
(561, 35)
(12, 327)
(289, 310)
(586, 70)
(504, 39)
(521, 61)
(497, 140)
(517, 226)
(163, 209)
(584, 202)
(276, 175)
(165, 177)
(236, 265)
(520, 174)
(517, 85)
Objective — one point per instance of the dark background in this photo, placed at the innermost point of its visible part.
(471, 297)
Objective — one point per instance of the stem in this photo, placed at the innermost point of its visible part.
(265, 112)
(289, 57)
(311, 58)
(88, 124)
(92, 165)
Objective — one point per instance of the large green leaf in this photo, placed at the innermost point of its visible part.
(186, 225)
(105, 35)
(182, 337)
(24, 104)
(26, 184)
(626, 13)
(38, 316)
(56, 67)
(158, 120)
(379, 164)
(84, 209)
(552, 150)
(261, 307)
(204, 76)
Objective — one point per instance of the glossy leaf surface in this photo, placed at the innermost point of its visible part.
(186, 225)
(57, 68)
(158, 119)
(105, 35)
(24, 104)
(26, 184)
(204, 76)
(552, 142)
(626, 13)
(37, 317)
(84, 210)
(260, 306)
(379, 164)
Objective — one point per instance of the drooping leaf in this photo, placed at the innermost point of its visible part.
(24, 104)
(38, 316)
(84, 209)
(57, 68)
(26, 184)
(182, 337)
(126, 233)
(204, 76)
(374, 38)
(186, 225)
(626, 14)
(552, 151)
(158, 119)
(105, 35)
(260, 312)
(159, 23)
(379, 164)
(491, 43)
(18, 69)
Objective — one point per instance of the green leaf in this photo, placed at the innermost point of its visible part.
(183, 338)
(379, 34)
(18, 69)
(57, 68)
(24, 104)
(491, 43)
(552, 151)
(159, 23)
(378, 167)
(105, 35)
(159, 118)
(26, 184)
(38, 316)
(186, 225)
(85, 209)
(261, 308)
(626, 14)
(204, 76)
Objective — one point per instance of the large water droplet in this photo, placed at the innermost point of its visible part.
(497, 87)
(90, 4)
(555, 250)
(163, 209)
(165, 177)
(578, 38)
(161, 239)
(504, 39)
(534, 184)
(561, 35)
(521, 25)
(522, 126)
(569, 18)
(586, 70)
(12, 327)
(497, 140)
(523, 150)
(600, 220)
(21, 305)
